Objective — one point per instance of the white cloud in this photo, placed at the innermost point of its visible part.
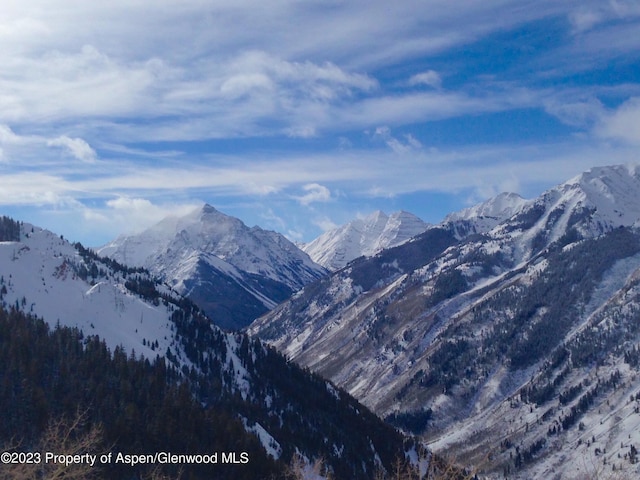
(315, 193)
(273, 219)
(294, 235)
(426, 106)
(575, 112)
(583, 19)
(301, 131)
(487, 188)
(430, 78)
(412, 141)
(143, 211)
(625, 8)
(246, 84)
(36, 189)
(89, 89)
(372, 172)
(77, 146)
(344, 143)
(600, 47)
(228, 176)
(74, 86)
(623, 123)
(7, 135)
(32, 150)
(410, 144)
(123, 197)
(192, 70)
(129, 204)
(136, 213)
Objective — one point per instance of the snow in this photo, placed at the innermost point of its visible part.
(173, 247)
(363, 236)
(613, 190)
(333, 391)
(39, 269)
(335, 342)
(419, 460)
(493, 211)
(270, 444)
(241, 376)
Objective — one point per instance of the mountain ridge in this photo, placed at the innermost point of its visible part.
(456, 334)
(363, 236)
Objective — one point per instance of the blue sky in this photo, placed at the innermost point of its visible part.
(301, 115)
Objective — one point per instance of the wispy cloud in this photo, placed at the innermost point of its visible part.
(76, 146)
(117, 112)
(623, 123)
(430, 78)
(314, 193)
(198, 76)
(399, 146)
(128, 197)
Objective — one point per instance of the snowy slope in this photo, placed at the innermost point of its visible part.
(220, 263)
(486, 215)
(495, 337)
(612, 191)
(364, 236)
(40, 274)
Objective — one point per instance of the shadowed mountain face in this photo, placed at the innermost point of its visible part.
(235, 273)
(514, 334)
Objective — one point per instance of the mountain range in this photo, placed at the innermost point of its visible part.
(507, 335)
(236, 273)
(48, 284)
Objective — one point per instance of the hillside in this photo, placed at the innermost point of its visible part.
(509, 344)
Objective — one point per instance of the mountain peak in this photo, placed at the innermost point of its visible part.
(405, 217)
(206, 208)
(611, 192)
(217, 260)
(205, 215)
(500, 208)
(606, 173)
(363, 236)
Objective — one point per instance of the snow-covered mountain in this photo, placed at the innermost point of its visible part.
(290, 411)
(235, 273)
(486, 215)
(363, 236)
(514, 334)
